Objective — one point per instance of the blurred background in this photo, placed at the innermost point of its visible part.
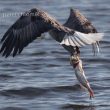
(41, 78)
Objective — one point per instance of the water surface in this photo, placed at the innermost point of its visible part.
(41, 78)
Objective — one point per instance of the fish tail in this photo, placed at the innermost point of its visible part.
(91, 93)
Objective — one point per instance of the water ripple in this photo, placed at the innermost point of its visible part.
(27, 92)
(13, 108)
(41, 78)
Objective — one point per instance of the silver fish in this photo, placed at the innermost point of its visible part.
(79, 72)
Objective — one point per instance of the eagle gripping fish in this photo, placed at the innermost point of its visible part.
(79, 72)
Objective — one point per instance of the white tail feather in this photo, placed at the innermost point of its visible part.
(80, 39)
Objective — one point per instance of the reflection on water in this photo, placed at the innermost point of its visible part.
(78, 107)
(41, 78)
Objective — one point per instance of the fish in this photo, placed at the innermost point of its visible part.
(76, 62)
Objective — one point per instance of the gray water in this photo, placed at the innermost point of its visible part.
(41, 78)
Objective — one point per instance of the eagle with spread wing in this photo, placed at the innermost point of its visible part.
(78, 31)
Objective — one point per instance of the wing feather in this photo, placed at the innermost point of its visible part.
(26, 29)
(75, 42)
(79, 41)
(84, 39)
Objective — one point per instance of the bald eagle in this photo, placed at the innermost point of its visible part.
(78, 31)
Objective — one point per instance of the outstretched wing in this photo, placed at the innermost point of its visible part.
(79, 22)
(26, 29)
